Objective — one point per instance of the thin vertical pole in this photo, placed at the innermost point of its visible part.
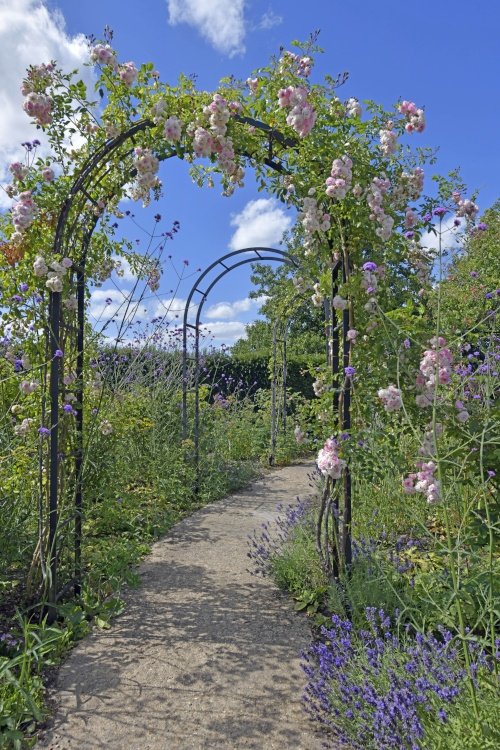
(80, 342)
(284, 376)
(346, 425)
(184, 379)
(273, 401)
(54, 331)
(197, 406)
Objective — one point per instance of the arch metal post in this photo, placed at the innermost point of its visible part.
(273, 397)
(54, 333)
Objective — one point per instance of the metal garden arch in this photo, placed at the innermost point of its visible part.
(76, 223)
(227, 263)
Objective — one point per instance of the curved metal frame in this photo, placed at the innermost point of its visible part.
(69, 226)
(257, 254)
(75, 228)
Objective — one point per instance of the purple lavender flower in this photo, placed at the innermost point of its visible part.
(372, 688)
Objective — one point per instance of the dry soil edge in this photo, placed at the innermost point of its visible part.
(205, 654)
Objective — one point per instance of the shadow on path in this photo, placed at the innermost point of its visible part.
(205, 655)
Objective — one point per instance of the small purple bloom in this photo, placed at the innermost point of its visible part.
(481, 227)
(59, 353)
(491, 473)
(407, 343)
(23, 286)
(370, 266)
(350, 371)
(409, 235)
(440, 211)
(43, 431)
(457, 222)
(427, 217)
(474, 274)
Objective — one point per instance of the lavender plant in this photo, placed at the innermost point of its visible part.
(372, 688)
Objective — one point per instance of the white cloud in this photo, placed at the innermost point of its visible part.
(225, 331)
(269, 20)
(221, 22)
(450, 236)
(29, 34)
(260, 224)
(172, 308)
(108, 303)
(228, 310)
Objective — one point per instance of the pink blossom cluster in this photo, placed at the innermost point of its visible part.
(313, 219)
(301, 66)
(146, 165)
(23, 214)
(424, 482)
(28, 386)
(410, 186)
(172, 129)
(411, 218)
(415, 117)
(218, 113)
(435, 368)
(252, 84)
(206, 144)
(302, 115)
(127, 73)
(227, 160)
(379, 187)
(340, 180)
(353, 108)
(388, 139)
(104, 55)
(391, 397)
(18, 171)
(203, 142)
(38, 106)
(38, 78)
(465, 207)
(329, 464)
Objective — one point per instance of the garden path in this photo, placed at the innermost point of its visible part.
(205, 654)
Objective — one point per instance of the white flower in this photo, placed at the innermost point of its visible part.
(339, 303)
(106, 428)
(54, 283)
(22, 429)
(28, 386)
(40, 267)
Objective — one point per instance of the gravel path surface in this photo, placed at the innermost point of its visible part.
(205, 655)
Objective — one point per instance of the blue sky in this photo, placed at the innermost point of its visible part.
(441, 55)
